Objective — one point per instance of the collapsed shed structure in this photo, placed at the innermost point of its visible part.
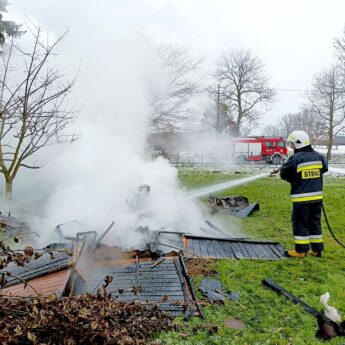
(156, 275)
(132, 278)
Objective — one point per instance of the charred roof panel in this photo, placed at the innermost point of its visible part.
(36, 268)
(139, 281)
(233, 248)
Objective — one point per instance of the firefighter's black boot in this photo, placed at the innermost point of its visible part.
(317, 254)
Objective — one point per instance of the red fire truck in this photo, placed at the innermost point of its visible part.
(271, 150)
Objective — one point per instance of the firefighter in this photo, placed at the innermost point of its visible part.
(304, 170)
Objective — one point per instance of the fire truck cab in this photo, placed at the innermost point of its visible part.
(270, 150)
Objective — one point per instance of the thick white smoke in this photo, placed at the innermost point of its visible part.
(96, 179)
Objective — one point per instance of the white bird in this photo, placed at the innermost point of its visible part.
(330, 312)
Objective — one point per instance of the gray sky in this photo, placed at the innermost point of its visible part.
(293, 37)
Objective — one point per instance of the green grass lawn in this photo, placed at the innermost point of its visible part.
(269, 318)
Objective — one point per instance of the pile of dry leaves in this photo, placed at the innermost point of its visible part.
(85, 319)
(20, 258)
(201, 266)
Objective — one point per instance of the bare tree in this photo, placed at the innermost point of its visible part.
(33, 108)
(218, 118)
(288, 123)
(327, 99)
(311, 122)
(170, 106)
(307, 120)
(244, 86)
(271, 131)
(339, 44)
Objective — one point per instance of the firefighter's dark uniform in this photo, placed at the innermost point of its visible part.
(304, 171)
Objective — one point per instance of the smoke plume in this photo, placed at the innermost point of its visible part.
(95, 180)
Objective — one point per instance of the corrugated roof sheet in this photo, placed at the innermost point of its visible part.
(46, 285)
(36, 268)
(218, 247)
(163, 284)
(233, 248)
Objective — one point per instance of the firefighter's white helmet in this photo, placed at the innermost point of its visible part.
(299, 139)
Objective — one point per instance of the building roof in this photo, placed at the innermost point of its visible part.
(46, 275)
(36, 268)
(217, 246)
(209, 247)
(134, 278)
(49, 284)
(145, 280)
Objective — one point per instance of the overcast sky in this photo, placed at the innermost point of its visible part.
(293, 37)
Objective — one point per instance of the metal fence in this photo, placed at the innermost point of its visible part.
(219, 160)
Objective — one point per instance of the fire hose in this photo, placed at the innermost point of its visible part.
(330, 228)
(235, 183)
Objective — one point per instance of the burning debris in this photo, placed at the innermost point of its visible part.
(85, 319)
(331, 312)
(235, 205)
(71, 270)
(328, 328)
(115, 296)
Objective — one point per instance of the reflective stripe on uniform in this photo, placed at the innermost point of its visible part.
(306, 196)
(316, 238)
(302, 240)
(310, 198)
(309, 163)
(309, 166)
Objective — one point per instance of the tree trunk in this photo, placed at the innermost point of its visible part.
(237, 128)
(8, 191)
(330, 135)
(236, 131)
(239, 116)
(330, 144)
